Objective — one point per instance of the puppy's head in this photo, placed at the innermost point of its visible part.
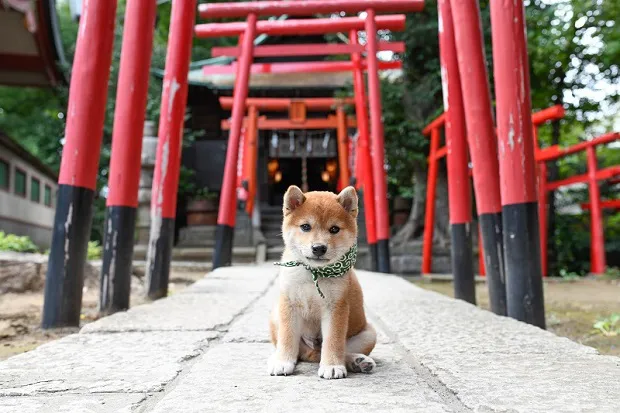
(319, 227)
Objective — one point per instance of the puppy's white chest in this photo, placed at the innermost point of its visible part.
(297, 284)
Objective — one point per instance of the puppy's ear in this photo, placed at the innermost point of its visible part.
(293, 198)
(348, 199)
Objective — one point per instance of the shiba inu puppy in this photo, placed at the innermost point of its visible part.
(319, 316)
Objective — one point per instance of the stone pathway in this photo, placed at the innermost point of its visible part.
(206, 349)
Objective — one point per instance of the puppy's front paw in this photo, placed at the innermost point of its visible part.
(332, 372)
(359, 363)
(277, 367)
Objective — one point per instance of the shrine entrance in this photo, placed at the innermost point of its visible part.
(306, 158)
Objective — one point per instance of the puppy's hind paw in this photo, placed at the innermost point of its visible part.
(332, 372)
(359, 363)
(277, 367)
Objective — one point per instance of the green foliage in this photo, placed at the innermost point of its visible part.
(204, 194)
(608, 326)
(36, 117)
(569, 276)
(186, 181)
(612, 273)
(95, 251)
(572, 46)
(572, 239)
(14, 243)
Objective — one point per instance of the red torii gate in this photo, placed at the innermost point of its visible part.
(504, 170)
(249, 29)
(433, 130)
(504, 180)
(78, 175)
(297, 108)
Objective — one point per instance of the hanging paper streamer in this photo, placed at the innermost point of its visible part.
(291, 144)
(326, 140)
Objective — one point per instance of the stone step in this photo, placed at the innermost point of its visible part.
(201, 254)
(197, 236)
(412, 264)
(271, 222)
(415, 248)
(272, 235)
(274, 253)
(139, 266)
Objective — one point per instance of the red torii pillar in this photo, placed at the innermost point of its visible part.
(228, 206)
(517, 164)
(378, 156)
(343, 148)
(124, 176)
(251, 157)
(248, 157)
(80, 161)
(168, 159)
(223, 250)
(482, 143)
(459, 193)
(597, 236)
(363, 151)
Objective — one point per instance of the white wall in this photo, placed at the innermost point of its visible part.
(21, 212)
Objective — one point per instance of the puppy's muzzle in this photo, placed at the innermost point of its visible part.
(319, 250)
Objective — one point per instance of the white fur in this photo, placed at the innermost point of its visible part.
(280, 368)
(332, 372)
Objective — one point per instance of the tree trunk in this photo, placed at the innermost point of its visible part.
(414, 227)
(441, 234)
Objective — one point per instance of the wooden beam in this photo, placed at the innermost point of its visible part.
(393, 23)
(316, 49)
(305, 8)
(283, 104)
(330, 122)
(296, 67)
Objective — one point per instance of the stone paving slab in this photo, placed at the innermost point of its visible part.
(206, 349)
(206, 305)
(493, 363)
(102, 363)
(232, 377)
(72, 403)
(532, 383)
(253, 326)
(458, 325)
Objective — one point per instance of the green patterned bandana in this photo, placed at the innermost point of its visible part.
(337, 269)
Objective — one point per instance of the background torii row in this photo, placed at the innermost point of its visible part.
(505, 185)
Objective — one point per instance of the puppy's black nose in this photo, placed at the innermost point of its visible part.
(319, 250)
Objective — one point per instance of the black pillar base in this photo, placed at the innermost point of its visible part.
(492, 242)
(222, 256)
(523, 269)
(462, 263)
(383, 255)
(65, 271)
(115, 286)
(159, 258)
(373, 256)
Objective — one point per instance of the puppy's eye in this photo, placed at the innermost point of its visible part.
(305, 227)
(334, 230)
